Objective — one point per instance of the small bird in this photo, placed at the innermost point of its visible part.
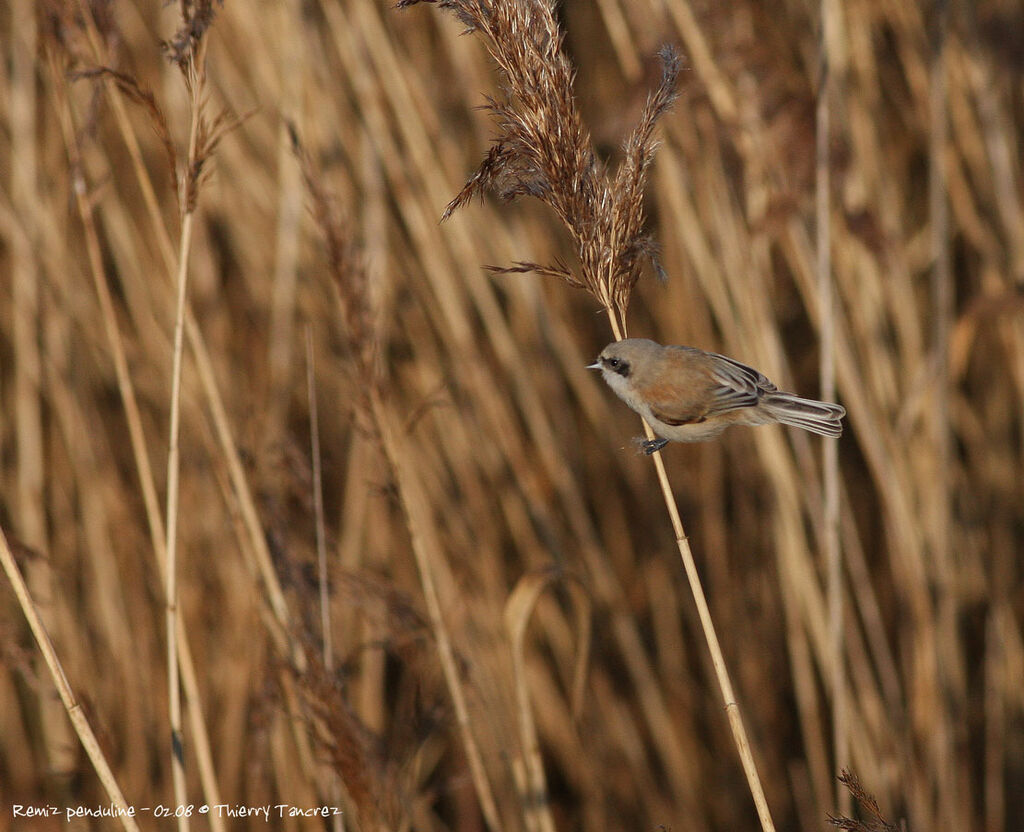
(688, 395)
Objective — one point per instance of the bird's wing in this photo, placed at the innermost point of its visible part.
(739, 376)
(739, 386)
(704, 384)
(735, 385)
(725, 399)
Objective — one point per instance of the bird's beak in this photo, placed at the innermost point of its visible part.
(595, 366)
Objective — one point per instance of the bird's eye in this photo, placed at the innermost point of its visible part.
(612, 362)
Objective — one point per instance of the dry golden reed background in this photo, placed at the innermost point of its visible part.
(510, 639)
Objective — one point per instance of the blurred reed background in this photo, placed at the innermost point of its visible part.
(446, 693)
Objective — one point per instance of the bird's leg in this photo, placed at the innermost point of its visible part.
(652, 446)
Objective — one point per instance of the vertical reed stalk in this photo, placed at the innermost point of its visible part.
(732, 708)
(334, 787)
(26, 282)
(196, 86)
(994, 785)
(318, 505)
(950, 808)
(942, 291)
(287, 235)
(170, 581)
(830, 450)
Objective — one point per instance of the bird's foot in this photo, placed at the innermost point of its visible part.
(650, 446)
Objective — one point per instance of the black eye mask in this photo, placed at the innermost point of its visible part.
(619, 366)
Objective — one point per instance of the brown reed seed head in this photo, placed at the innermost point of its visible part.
(347, 744)
(874, 821)
(543, 149)
(347, 271)
(196, 17)
(139, 95)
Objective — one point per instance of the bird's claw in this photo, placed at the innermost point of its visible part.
(650, 446)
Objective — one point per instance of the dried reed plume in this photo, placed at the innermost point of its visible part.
(357, 316)
(196, 18)
(875, 822)
(543, 149)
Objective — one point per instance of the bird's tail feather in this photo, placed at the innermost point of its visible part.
(822, 418)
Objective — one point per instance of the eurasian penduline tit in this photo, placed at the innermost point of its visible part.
(688, 395)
